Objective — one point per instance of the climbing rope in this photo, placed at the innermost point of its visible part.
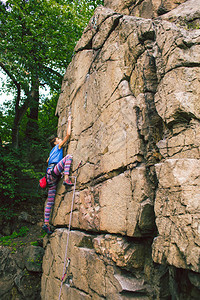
(67, 260)
(66, 249)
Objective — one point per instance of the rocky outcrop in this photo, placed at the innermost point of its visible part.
(20, 273)
(143, 8)
(133, 89)
(186, 15)
(21, 254)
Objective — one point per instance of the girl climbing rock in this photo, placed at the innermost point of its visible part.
(56, 165)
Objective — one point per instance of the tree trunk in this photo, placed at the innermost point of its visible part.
(19, 113)
(32, 124)
(15, 134)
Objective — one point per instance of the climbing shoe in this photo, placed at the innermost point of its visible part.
(47, 229)
(67, 182)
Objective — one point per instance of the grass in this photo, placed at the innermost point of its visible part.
(9, 240)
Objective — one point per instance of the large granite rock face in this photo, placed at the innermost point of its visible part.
(133, 87)
(98, 267)
(143, 8)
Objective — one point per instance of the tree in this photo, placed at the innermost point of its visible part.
(37, 38)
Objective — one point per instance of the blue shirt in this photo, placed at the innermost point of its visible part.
(56, 155)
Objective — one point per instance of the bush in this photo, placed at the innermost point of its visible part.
(18, 181)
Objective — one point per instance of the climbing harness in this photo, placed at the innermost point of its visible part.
(51, 167)
(43, 181)
(67, 260)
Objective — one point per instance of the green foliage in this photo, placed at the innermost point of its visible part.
(7, 211)
(6, 121)
(34, 243)
(17, 180)
(8, 240)
(22, 168)
(46, 118)
(47, 121)
(37, 40)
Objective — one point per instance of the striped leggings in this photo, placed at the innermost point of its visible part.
(63, 165)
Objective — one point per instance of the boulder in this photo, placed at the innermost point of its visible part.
(33, 258)
(8, 270)
(16, 282)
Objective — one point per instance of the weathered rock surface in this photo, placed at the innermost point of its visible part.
(133, 89)
(16, 282)
(33, 258)
(97, 268)
(187, 14)
(143, 8)
(177, 208)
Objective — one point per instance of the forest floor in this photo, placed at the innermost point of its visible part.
(25, 228)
